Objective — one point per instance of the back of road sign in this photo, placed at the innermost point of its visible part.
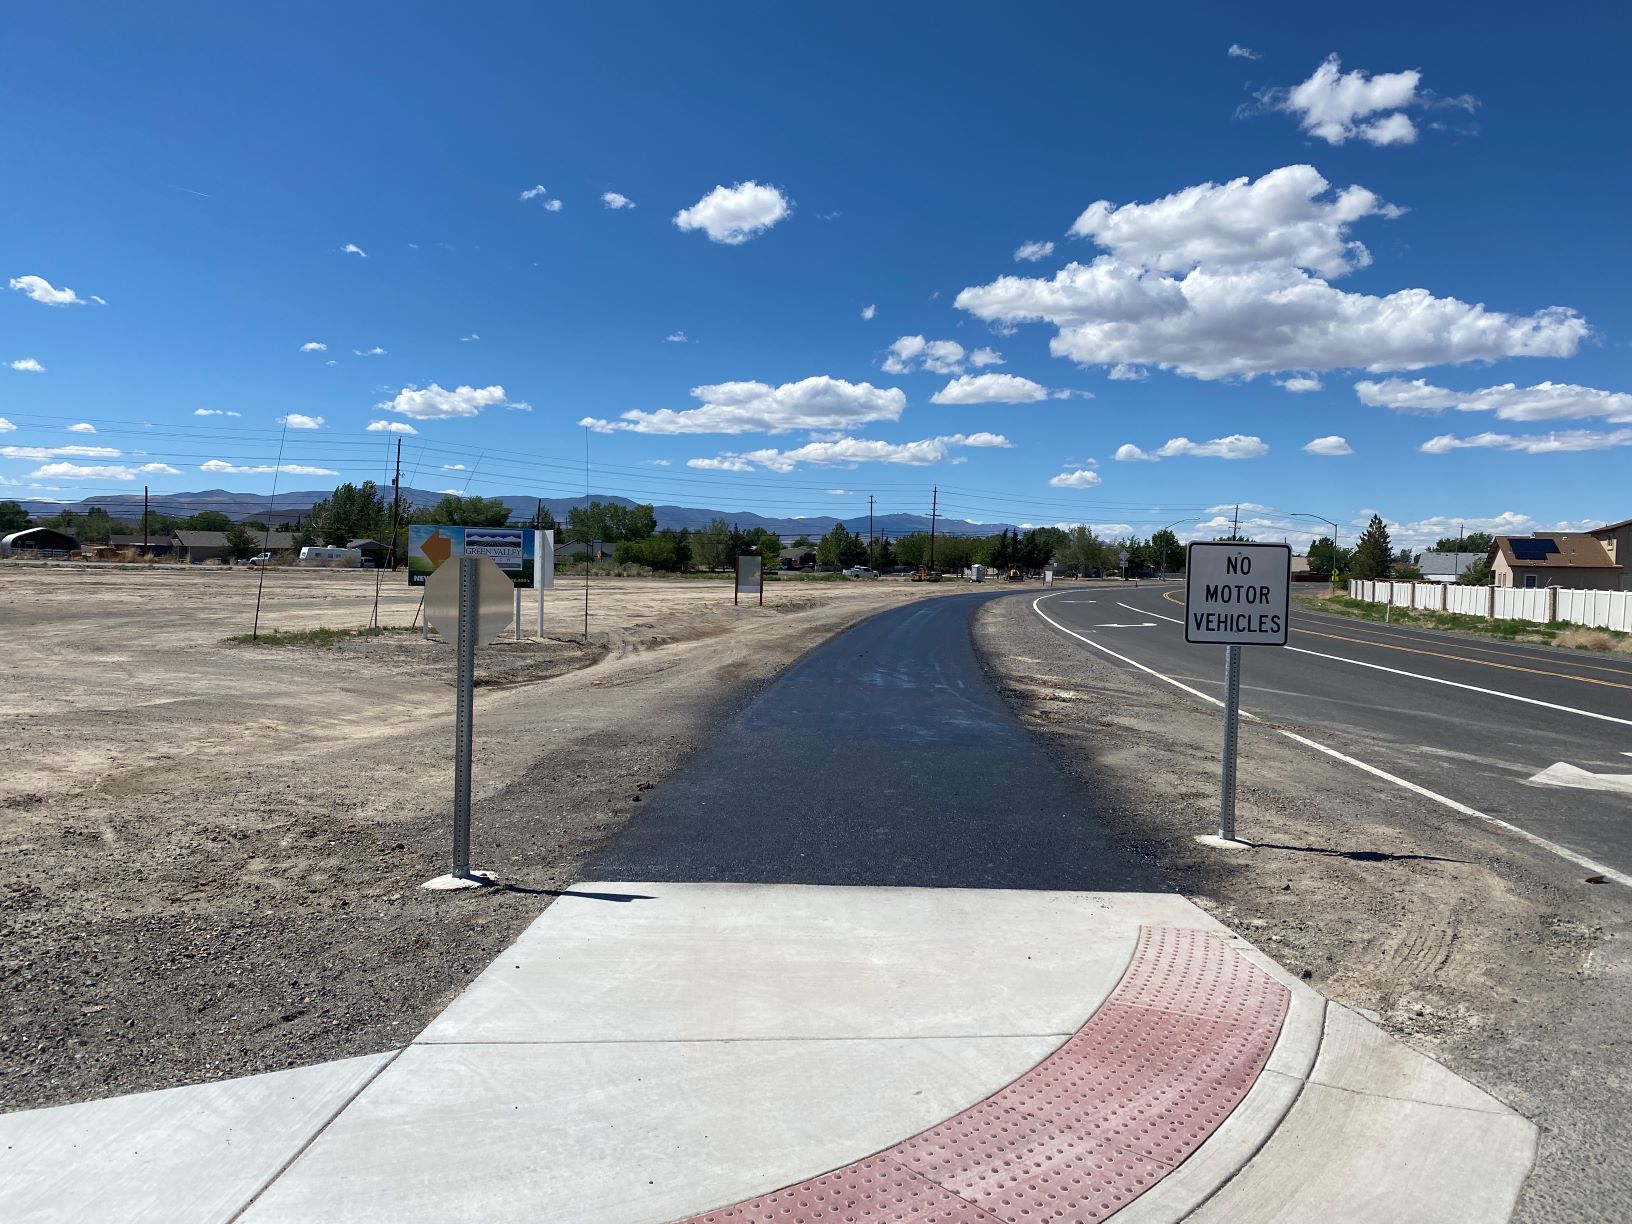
(494, 591)
(1237, 594)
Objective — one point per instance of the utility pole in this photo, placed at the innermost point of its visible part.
(1235, 532)
(144, 522)
(872, 550)
(934, 503)
(396, 503)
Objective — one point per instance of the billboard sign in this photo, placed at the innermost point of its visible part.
(513, 549)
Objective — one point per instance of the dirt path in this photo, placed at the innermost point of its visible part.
(210, 853)
(1471, 946)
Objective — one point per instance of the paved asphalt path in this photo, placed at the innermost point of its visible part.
(883, 757)
(1378, 693)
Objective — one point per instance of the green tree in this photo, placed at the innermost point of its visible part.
(456, 511)
(1473, 542)
(1080, 553)
(712, 545)
(206, 520)
(669, 551)
(882, 556)
(955, 553)
(911, 549)
(1323, 556)
(543, 520)
(841, 547)
(768, 544)
(802, 542)
(1374, 555)
(356, 512)
(240, 542)
(1166, 553)
(1477, 574)
(12, 517)
(611, 522)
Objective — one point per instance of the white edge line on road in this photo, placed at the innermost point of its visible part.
(1131, 662)
(1552, 847)
(1578, 859)
(1472, 688)
(1147, 612)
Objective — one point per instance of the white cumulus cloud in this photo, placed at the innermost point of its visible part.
(433, 403)
(1299, 385)
(868, 311)
(82, 427)
(376, 351)
(1332, 444)
(847, 452)
(56, 452)
(982, 357)
(28, 366)
(1289, 216)
(1236, 446)
(1560, 442)
(911, 353)
(614, 199)
(733, 215)
(990, 389)
(82, 471)
(678, 337)
(351, 248)
(1123, 372)
(1082, 478)
(1237, 51)
(1545, 401)
(314, 346)
(1337, 106)
(44, 292)
(1031, 252)
(396, 427)
(299, 420)
(222, 467)
(209, 412)
(819, 402)
(6, 426)
(158, 469)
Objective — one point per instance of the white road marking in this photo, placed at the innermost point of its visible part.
(1551, 847)
(1565, 774)
(1131, 662)
(1579, 860)
(1472, 688)
(1140, 625)
(1148, 612)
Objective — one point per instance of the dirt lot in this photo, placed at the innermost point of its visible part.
(210, 852)
(1475, 948)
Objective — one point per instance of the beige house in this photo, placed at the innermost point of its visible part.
(1617, 541)
(1575, 560)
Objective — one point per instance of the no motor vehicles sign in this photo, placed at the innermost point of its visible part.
(1236, 594)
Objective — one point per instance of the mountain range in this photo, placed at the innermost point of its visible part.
(289, 506)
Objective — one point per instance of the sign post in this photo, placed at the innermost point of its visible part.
(1122, 562)
(470, 602)
(1235, 594)
(543, 570)
(750, 578)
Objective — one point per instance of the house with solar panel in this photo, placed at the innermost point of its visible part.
(1582, 561)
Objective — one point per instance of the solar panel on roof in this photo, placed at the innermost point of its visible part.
(1532, 550)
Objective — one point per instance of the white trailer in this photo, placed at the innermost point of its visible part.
(977, 573)
(318, 556)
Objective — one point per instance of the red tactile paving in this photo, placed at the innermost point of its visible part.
(1093, 1126)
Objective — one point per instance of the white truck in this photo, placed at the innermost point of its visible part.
(318, 556)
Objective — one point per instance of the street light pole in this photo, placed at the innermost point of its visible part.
(1331, 579)
(1161, 562)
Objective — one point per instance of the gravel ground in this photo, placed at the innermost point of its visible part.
(212, 852)
(1471, 946)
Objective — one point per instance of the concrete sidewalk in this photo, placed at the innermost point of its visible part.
(648, 1052)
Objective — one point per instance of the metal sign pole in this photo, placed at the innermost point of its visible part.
(518, 614)
(465, 690)
(1232, 717)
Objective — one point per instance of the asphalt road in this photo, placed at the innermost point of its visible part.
(1471, 719)
(883, 757)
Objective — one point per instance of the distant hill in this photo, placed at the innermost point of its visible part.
(289, 506)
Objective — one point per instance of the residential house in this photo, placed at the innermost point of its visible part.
(1446, 566)
(196, 547)
(155, 545)
(1574, 560)
(1617, 541)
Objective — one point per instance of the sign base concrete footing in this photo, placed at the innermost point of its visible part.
(476, 879)
(1221, 843)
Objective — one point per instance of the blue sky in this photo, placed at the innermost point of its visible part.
(202, 169)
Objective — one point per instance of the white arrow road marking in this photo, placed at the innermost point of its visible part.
(1148, 612)
(1563, 774)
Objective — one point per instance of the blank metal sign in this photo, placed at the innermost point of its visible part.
(1237, 594)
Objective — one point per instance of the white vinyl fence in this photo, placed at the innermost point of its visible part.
(1543, 605)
